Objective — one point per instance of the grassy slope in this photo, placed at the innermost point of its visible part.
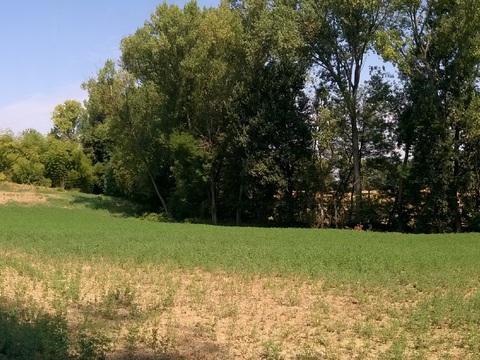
(338, 255)
(406, 296)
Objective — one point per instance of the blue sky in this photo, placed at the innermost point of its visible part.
(49, 47)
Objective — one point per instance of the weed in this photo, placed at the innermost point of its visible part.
(207, 331)
(271, 351)
(364, 329)
(132, 338)
(161, 345)
(308, 353)
(197, 292)
(92, 345)
(396, 350)
(292, 298)
(334, 256)
(228, 310)
(168, 300)
(118, 303)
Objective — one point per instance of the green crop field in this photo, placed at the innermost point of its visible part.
(82, 278)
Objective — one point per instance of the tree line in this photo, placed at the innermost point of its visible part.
(265, 112)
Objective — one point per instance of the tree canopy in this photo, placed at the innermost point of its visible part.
(265, 112)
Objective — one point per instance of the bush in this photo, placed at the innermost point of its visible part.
(161, 217)
(25, 171)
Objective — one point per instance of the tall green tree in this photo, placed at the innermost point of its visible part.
(25, 159)
(272, 137)
(66, 118)
(377, 127)
(195, 52)
(134, 120)
(435, 45)
(339, 35)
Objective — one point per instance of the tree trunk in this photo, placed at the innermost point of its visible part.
(139, 148)
(455, 198)
(164, 204)
(357, 180)
(213, 204)
(238, 217)
(322, 211)
(401, 185)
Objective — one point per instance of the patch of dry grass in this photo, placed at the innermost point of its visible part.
(22, 197)
(24, 194)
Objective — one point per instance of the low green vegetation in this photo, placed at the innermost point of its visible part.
(81, 277)
(341, 255)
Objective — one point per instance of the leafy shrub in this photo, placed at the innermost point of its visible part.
(25, 171)
(157, 217)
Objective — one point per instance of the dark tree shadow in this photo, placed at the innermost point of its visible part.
(27, 334)
(129, 356)
(113, 205)
(24, 335)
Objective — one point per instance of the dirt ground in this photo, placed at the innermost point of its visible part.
(199, 315)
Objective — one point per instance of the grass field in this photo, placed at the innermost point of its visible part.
(84, 279)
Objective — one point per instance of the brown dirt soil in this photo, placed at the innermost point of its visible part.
(194, 314)
(152, 312)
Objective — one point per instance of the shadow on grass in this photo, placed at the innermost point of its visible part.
(27, 335)
(113, 205)
(30, 335)
(129, 356)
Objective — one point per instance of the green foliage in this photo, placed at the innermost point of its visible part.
(338, 36)
(191, 177)
(34, 159)
(474, 224)
(21, 158)
(57, 162)
(439, 64)
(67, 166)
(24, 171)
(66, 118)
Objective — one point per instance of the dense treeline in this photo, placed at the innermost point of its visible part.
(263, 112)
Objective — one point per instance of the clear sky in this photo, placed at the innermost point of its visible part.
(49, 47)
